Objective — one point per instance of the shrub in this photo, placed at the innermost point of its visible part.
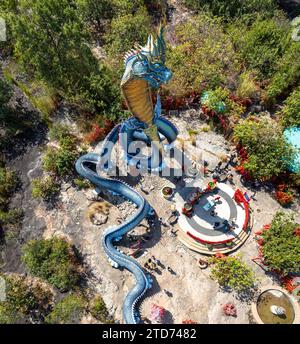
(233, 273)
(53, 260)
(8, 183)
(67, 142)
(98, 310)
(58, 131)
(247, 85)
(60, 161)
(95, 134)
(125, 30)
(11, 217)
(215, 100)
(49, 160)
(82, 183)
(67, 311)
(232, 8)
(101, 93)
(206, 52)
(281, 245)
(287, 72)
(65, 161)
(285, 198)
(290, 113)
(45, 188)
(268, 153)
(99, 131)
(5, 93)
(227, 108)
(7, 314)
(263, 44)
(24, 297)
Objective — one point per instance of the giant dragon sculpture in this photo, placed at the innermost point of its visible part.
(145, 71)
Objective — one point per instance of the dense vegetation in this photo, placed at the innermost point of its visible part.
(229, 9)
(233, 273)
(267, 151)
(53, 260)
(9, 217)
(281, 244)
(67, 311)
(24, 299)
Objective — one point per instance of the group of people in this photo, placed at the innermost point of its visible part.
(153, 262)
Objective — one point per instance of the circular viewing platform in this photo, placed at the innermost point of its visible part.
(217, 222)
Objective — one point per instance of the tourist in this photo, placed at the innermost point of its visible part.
(155, 260)
(213, 213)
(230, 178)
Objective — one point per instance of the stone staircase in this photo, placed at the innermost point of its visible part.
(212, 249)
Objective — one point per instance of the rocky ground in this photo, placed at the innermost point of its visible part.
(188, 293)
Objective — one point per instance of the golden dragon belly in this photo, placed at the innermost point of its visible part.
(137, 94)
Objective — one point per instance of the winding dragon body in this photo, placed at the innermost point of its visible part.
(144, 70)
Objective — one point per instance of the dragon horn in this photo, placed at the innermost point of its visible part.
(151, 45)
(160, 43)
(148, 46)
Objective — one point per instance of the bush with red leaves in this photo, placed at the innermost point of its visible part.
(283, 195)
(98, 133)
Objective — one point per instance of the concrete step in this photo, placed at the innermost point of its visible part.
(201, 248)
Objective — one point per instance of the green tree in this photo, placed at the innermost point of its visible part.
(9, 218)
(51, 39)
(263, 43)
(59, 161)
(281, 245)
(53, 260)
(98, 309)
(125, 30)
(53, 43)
(268, 152)
(8, 184)
(232, 8)
(232, 272)
(24, 298)
(204, 57)
(96, 12)
(67, 311)
(287, 72)
(45, 188)
(8, 9)
(290, 113)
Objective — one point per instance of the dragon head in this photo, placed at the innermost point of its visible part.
(148, 62)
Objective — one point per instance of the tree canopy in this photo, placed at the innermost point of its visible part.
(52, 259)
(268, 152)
(281, 245)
